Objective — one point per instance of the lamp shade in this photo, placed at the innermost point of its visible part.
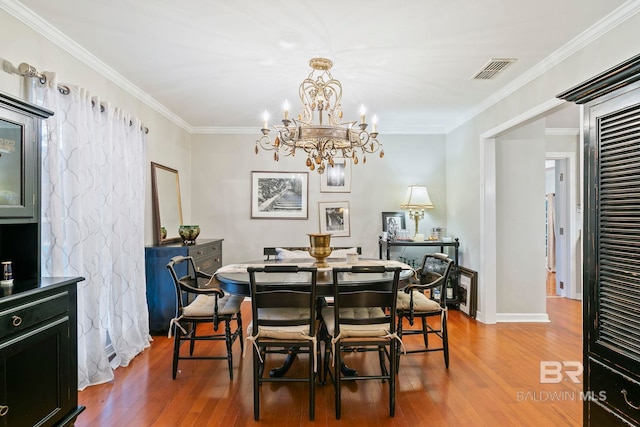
(417, 198)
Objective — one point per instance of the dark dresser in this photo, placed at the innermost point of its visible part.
(161, 294)
(38, 352)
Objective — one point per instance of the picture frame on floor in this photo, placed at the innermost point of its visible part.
(334, 218)
(279, 195)
(468, 290)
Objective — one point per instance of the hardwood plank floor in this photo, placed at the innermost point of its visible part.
(493, 380)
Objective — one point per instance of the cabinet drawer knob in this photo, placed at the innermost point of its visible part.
(3, 410)
(16, 320)
(624, 393)
(199, 253)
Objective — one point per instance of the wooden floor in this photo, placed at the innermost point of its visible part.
(551, 283)
(493, 380)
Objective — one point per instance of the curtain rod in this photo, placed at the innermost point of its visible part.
(27, 70)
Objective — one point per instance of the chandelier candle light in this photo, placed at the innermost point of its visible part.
(321, 142)
(417, 200)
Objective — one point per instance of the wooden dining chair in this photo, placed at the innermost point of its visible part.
(413, 303)
(283, 305)
(362, 318)
(199, 302)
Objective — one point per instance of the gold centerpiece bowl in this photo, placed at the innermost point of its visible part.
(319, 248)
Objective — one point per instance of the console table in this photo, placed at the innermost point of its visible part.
(161, 294)
(385, 245)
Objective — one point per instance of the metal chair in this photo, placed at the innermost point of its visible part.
(413, 303)
(284, 318)
(202, 304)
(362, 318)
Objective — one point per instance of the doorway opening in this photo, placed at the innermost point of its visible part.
(562, 263)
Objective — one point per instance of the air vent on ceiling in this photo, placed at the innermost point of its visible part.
(492, 68)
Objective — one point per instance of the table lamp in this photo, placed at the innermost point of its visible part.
(417, 200)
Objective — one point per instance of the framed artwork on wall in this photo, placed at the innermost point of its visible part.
(336, 178)
(279, 195)
(392, 222)
(334, 218)
(468, 291)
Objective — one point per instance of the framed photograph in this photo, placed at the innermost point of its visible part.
(336, 178)
(392, 222)
(334, 218)
(280, 195)
(468, 290)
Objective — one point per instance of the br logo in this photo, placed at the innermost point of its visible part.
(553, 371)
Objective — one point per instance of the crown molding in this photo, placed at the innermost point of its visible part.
(219, 130)
(28, 17)
(596, 31)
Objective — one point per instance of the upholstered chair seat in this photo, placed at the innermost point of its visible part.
(421, 304)
(204, 306)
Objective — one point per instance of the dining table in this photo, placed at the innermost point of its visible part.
(234, 279)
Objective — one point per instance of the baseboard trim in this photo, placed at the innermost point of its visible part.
(522, 317)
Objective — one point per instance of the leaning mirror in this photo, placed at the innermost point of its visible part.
(167, 207)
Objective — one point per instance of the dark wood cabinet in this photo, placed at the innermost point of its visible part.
(38, 318)
(611, 244)
(161, 294)
(38, 353)
(20, 185)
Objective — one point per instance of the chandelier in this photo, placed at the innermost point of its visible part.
(320, 95)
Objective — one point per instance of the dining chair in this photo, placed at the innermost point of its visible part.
(283, 306)
(199, 301)
(361, 318)
(413, 303)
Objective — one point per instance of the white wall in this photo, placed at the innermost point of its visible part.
(521, 251)
(167, 143)
(222, 166)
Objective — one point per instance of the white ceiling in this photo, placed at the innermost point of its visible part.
(217, 65)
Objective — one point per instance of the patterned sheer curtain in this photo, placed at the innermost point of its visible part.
(93, 222)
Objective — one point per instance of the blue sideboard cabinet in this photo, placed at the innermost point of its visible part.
(161, 296)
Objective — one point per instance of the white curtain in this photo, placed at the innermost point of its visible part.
(93, 166)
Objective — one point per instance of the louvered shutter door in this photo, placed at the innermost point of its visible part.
(618, 237)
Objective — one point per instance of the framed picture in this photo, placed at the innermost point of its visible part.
(334, 218)
(392, 222)
(336, 178)
(279, 195)
(468, 291)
